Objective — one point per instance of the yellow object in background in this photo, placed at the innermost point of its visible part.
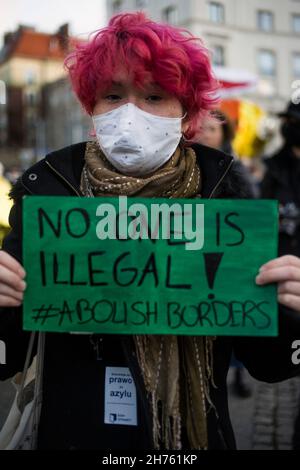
(5, 202)
(5, 205)
(247, 142)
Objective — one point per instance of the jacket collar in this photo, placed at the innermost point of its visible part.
(214, 164)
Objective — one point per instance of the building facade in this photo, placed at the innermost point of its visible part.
(260, 37)
(39, 112)
(28, 60)
(63, 120)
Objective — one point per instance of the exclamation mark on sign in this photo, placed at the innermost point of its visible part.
(212, 262)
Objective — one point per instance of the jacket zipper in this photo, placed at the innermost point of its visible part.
(221, 179)
(64, 179)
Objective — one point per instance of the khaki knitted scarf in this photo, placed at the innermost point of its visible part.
(179, 177)
(177, 370)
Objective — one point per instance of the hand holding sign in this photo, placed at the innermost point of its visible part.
(199, 280)
(286, 271)
(12, 283)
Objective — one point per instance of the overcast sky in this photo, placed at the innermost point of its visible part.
(83, 16)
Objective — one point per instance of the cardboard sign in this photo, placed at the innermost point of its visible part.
(149, 266)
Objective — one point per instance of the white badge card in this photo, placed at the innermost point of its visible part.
(120, 405)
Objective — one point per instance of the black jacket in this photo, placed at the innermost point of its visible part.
(72, 412)
(282, 182)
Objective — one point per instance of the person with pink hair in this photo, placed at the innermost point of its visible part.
(148, 88)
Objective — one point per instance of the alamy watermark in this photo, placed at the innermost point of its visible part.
(2, 353)
(295, 97)
(296, 353)
(183, 222)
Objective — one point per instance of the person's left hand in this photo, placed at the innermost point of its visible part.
(286, 272)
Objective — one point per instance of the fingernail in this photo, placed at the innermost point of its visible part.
(262, 268)
(23, 285)
(258, 279)
(22, 273)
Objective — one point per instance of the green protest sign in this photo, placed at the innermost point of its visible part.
(149, 266)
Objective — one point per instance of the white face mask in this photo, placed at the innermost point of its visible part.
(136, 142)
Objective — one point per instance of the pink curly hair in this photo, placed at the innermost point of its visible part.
(171, 57)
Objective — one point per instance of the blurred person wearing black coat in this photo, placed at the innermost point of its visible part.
(282, 182)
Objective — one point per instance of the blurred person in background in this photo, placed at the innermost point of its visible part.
(218, 133)
(282, 182)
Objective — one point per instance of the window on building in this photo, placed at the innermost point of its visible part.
(296, 64)
(216, 12)
(141, 3)
(54, 44)
(31, 99)
(265, 21)
(296, 23)
(267, 63)
(170, 14)
(31, 130)
(218, 57)
(117, 6)
(30, 77)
